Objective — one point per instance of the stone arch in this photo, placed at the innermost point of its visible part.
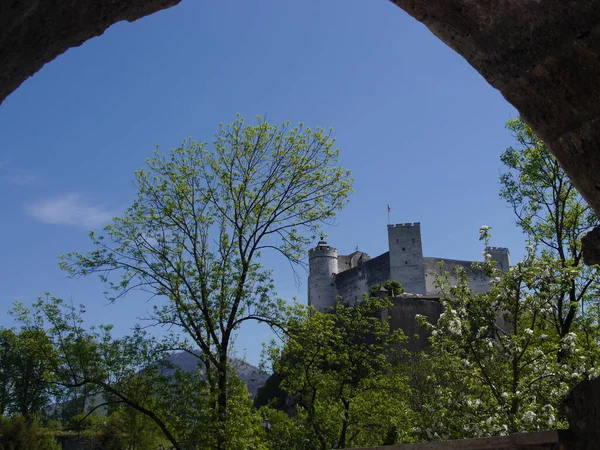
(543, 56)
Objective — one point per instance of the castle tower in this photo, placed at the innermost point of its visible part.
(406, 257)
(322, 268)
(501, 255)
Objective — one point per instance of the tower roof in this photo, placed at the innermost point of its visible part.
(322, 247)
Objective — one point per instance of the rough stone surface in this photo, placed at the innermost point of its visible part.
(34, 32)
(544, 57)
(591, 244)
(582, 409)
(403, 317)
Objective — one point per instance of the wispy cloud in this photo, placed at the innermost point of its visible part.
(72, 210)
(22, 180)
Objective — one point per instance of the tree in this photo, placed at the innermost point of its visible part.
(195, 233)
(554, 217)
(120, 428)
(338, 367)
(24, 434)
(25, 385)
(134, 373)
(392, 287)
(492, 367)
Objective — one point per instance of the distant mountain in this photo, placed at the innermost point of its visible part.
(251, 375)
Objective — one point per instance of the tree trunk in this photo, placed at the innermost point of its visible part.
(342, 441)
(222, 401)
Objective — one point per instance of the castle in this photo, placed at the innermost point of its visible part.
(350, 276)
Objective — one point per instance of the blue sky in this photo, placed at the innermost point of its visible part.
(419, 128)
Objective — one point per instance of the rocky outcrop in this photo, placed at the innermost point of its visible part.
(34, 32)
(544, 57)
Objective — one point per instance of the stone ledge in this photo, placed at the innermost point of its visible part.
(537, 440)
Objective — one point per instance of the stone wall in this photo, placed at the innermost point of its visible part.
(403, 316)
(478, 281)
(351, 284)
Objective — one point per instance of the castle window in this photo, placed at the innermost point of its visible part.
(396, 241)
(405, 262)
(413, 241)
(403, 249)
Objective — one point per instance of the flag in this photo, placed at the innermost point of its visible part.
(389, 209)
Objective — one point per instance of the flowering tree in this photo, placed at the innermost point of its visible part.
(554, 217)
(493, 366)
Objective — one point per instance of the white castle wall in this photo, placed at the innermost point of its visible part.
(478, 281)
(406, 256)
(350, 276)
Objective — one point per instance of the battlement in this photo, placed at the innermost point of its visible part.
(323, 250)
(497, 249)
(398, 225)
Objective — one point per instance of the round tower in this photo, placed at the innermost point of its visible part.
(322, 268)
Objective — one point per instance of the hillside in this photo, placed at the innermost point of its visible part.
(251, 375)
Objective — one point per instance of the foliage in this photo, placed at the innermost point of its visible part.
(113, 371)
(134, 375)
(499, 362)
(194, 235)
(338, 368)
(392, 287)
(122, 428)
(493, 366)
(285, 432)
(20, 433)
(554, 217)
(24, 375)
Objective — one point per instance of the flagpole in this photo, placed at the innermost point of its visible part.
(389, 209)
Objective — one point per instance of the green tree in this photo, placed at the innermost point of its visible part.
(113, 371)
(392, 287)
(24, 434)
(286, 432)
(24, 371)
(195, 233)
(134, 373)
(338, 367)
(554, 217)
